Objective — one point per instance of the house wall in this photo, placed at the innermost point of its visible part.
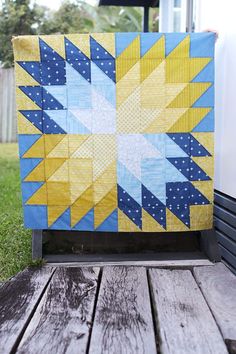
(218, 15)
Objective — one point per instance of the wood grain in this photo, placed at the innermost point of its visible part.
(18, 298)
(185, 323)
(62, 321)
(218, 284)
(123, 320)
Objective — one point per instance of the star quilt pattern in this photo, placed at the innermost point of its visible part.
(116, 131)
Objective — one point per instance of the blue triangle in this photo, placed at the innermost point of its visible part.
(207, 98)
(153, 206)
(189, 169)
(147, 40)
(153, 177)
(98, 52)
(188, 144)
(86, 223)
(206, 124)
(196, 197)
(129, 206)
(35, 93)
(172, 40)
(206, 74)
(129, 182)
(202, 45)
(27, 165)
(177, 195)
(74, 77)
(29, 188)
(172, 149)
(54, 122)
(173, 174)
(74, 126)
(26, 141)
(50, 102)
(110, 223)
(32, 68)
(74, 53)
(59, 92)
(35, 217)
(63, 222)
(123, 40)
(47, 53)
(35, 117)
(158, 140)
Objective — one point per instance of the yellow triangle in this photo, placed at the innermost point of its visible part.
(82, 206)
(24, 103)
(81, 41)
(23, 78)
(157, 50)
(149, 224)
(105, 206)
(75, 141)
(36, 150)
(24, 126)
(206, 164)
(201, 217)
(39, 197)
(85, 149)
(56, 42)
(148, 66)
(54, 212)
(37, 175)
(61, 149)
(206, 139)
(184, 69)
(126, 86)
(26, 48)
(165, 119)
(173, 223)
(189, 95)
(105, 182)
(125, 224)
(127, 59)
(182, 50)
(51, 140)
(107, 41)
(189, 120)
(129, 108)
(61, 174)
(206, 188)
(52, 165)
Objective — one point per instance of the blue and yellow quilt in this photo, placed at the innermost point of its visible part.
(116, 130)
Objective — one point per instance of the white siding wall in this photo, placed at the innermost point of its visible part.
(220, 15)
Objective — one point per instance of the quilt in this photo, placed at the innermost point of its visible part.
(116, 131)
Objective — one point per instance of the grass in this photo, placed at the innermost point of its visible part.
(15, 240)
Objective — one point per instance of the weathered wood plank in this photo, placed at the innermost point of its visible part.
(183, 318)
(218, 284)
(123, 320)
(18, 299)
(62, 321)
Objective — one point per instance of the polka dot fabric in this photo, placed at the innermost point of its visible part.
(116, 131)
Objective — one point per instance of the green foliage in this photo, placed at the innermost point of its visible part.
(16, 18)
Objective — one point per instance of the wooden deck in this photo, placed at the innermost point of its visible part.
(119, 309)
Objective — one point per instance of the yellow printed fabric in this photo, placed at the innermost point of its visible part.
(116, 131)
